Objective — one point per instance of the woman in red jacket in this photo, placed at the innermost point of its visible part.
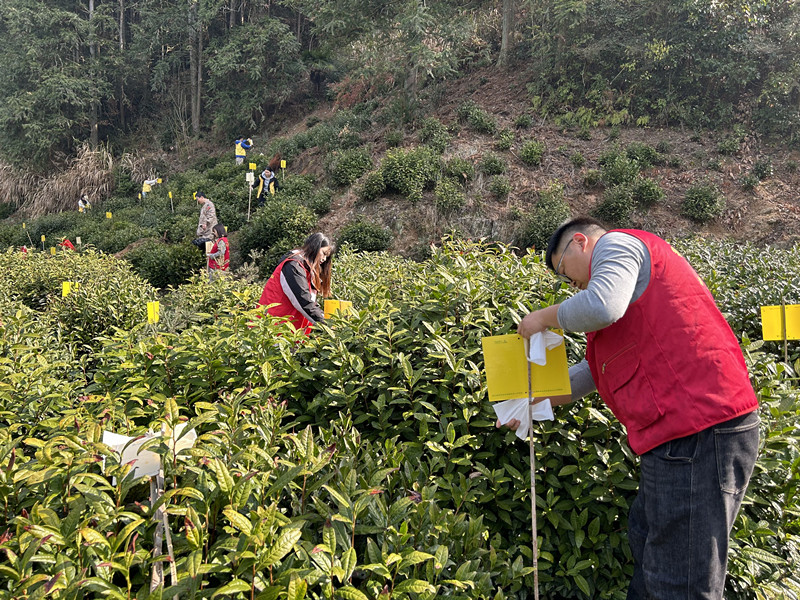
(291, 291)
(220, 256)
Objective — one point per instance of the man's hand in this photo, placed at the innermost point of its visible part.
(513, 424)
(538, 321)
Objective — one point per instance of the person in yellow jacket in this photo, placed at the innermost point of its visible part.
(241, 146)
(147, 186)
(268, 183)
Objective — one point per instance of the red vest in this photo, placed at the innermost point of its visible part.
(212, 262)
(273, 294)
(671, 366)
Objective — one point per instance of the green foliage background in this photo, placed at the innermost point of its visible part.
(358, 461)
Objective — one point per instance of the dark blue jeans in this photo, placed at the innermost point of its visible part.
(679, 524)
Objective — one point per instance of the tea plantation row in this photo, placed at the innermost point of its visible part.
(361, 462)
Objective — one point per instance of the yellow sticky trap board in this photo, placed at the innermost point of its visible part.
(53, 250)
(108, 215)
(67, 287)
(152, 312)
(158, 180)
(42, 237)
(23, 225)
(507, 369)
(771, 322)
(283, 164)
(170, 194)
(252, 166)
(341, 307)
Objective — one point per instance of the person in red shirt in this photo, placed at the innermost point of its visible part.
(668, 365)
(220, 256)
(302, 274)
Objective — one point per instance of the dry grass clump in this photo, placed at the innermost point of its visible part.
(16, 186)
(90, 172)
(138, 166)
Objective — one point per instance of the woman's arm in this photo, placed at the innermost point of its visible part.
(294, 283)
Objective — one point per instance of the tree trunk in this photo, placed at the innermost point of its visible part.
(232, 16)
(121, 85)
(194, 68)
(199, 91)
(93, 133)
(508, 33)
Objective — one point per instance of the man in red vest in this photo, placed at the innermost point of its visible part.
(667, 364)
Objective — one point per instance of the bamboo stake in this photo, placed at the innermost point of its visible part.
(783, 331)
(535, 536)
(157, 576)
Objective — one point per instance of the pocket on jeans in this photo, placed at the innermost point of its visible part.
(737, 449)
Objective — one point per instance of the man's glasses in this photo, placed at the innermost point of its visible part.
(559, 274)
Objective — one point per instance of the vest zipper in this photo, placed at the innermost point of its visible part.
(615, 355)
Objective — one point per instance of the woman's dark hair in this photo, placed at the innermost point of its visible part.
(219, 229)
(312, 252)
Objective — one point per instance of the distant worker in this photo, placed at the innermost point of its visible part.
(147, 186)
(268, 183)
(83, 203)
(241, 147)
(66, 244)
(220, 255)
(291, 291)
(205, 225)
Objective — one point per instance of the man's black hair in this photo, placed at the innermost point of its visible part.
(578, 224)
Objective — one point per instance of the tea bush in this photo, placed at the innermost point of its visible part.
(459, 168)
(524, 121)
(409, 172)
(277, 221)
(321, 200)
(371, 187)
(347, 166)
(549, 211)
(749, 182)
(434, 133)
(297, 188)
(644, 154)
(646, 192)
(703, 202)
(500, 186)
(763, 169)
(393, 138)
(108, 295)
(492, 164)
(592, 178)
(476, 118)
(365, 236)
(505, 139)
(166, 265)
(449, 195)
(532, 152)
(618, 169)
(616, 206)
(577, 159)
(360, 459)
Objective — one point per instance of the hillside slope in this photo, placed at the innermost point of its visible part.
(766, 214)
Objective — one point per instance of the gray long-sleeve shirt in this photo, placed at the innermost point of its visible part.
(620, 274)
